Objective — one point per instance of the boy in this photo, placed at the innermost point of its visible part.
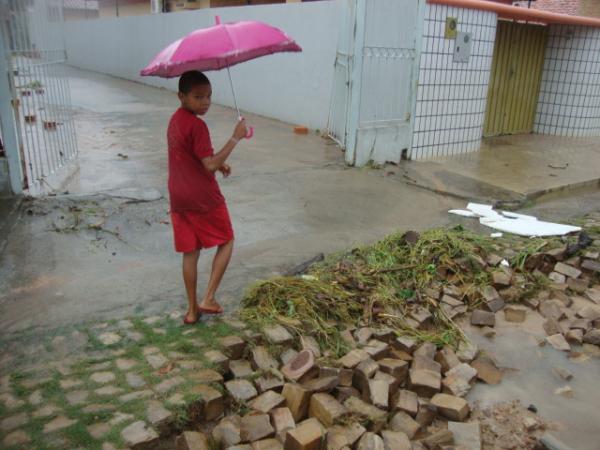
(198, 209)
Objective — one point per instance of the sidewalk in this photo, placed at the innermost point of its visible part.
(513, 169)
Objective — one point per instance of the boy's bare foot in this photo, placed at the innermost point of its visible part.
(210, 307)
(191, 317)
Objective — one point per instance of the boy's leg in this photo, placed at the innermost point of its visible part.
(219, 266)
(190, 279)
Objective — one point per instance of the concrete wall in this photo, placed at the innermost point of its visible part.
(4, 177)
(569, 101)
(291, 87)
(451, 96)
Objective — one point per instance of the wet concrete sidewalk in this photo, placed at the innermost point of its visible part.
(291, 197)
(513, 168)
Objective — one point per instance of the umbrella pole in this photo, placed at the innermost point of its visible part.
(233, 92)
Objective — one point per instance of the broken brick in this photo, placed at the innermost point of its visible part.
(452, 407)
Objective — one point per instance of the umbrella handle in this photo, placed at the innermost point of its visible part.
(250, 132)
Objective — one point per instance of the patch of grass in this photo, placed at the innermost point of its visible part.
(78, 434)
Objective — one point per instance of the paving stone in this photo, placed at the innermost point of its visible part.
(326, 409)
(593, 294)
(227, 432)
(103, 377)
(35, 398)
(487, 370)
(501, 277)
(135, 336)
(310, 343)
(139, 435)
(450, 406)
(425, 383)
(134, 380)
(558, 342)
(210, 403)
(192, 440)
(135, 395)
(482, 318)
(15, 438)
(297, 400)
(69, 383)
(308, 435)
(97, 407)
(370, 441)
(515, 314)
(438, 439)
(377, 349)
(375, 415)
(426, 350)
(176, 399)
(278, 335)
(10, 401)
(218, 359)
(578, 285)
(269, 383)
(156, 360)
(325, 384)
(379, 392)
(241, 390)
(299, 365)
(565, 391)
(463, 370)
(343, 393)
(233, 346)
(282, 421)
(46, 411)
(125, 364)
(206, 376)
(77, 397)
(567, 270)
(119, 418)
(98, 430)
(267, 401)
(425, 363)
(255, 427)
(12, 422)
(395, 440)
(267, 444)
(58, 423)
(109, 338)
(392, 383)
(240, 369)
(100, 366)
(466, 435)
(262, 359)
(108, 391)
(152, 320)
(592, 337)
(467, 351)
(408, 402)
(159, 417)
(405, 343)
(551, 309)
(165, 386)
(447, 358)
(339, 437)
(552, 326)
(404, 423)
(353, 358)
(395, 367)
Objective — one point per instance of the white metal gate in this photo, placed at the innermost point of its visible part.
(381, 38)
(35, 56)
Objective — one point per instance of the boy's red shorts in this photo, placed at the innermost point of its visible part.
(193, 230)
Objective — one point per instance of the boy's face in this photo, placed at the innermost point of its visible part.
(197, 100)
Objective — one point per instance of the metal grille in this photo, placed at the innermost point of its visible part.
(31, 31)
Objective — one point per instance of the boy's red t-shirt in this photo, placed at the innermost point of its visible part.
(191, 186)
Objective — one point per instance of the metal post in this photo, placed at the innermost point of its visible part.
(9, 134)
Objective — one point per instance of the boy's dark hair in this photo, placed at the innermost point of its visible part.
(190, 79)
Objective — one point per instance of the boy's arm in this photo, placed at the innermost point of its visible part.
(214, 162)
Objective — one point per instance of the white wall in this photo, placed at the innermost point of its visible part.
(451, 97)
(292, 87)
(569, 101)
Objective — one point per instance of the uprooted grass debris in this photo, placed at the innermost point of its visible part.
(396, 282)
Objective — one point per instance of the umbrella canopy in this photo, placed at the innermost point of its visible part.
(218, 47)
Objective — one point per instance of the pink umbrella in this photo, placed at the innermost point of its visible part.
(218, 47)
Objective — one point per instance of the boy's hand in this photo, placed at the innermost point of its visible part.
(225, 169)
(240, 131)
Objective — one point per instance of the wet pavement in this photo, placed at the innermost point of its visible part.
(291, 197)
(519, 167)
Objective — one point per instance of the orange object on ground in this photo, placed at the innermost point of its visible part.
(300, 130)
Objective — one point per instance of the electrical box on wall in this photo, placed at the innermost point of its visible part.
(451, 26)
(462, 47)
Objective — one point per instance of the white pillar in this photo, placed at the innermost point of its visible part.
(9, 133)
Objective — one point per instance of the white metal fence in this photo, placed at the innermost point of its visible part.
(43, 116)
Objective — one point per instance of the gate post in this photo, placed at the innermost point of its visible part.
(9, 133)
(355, 81)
